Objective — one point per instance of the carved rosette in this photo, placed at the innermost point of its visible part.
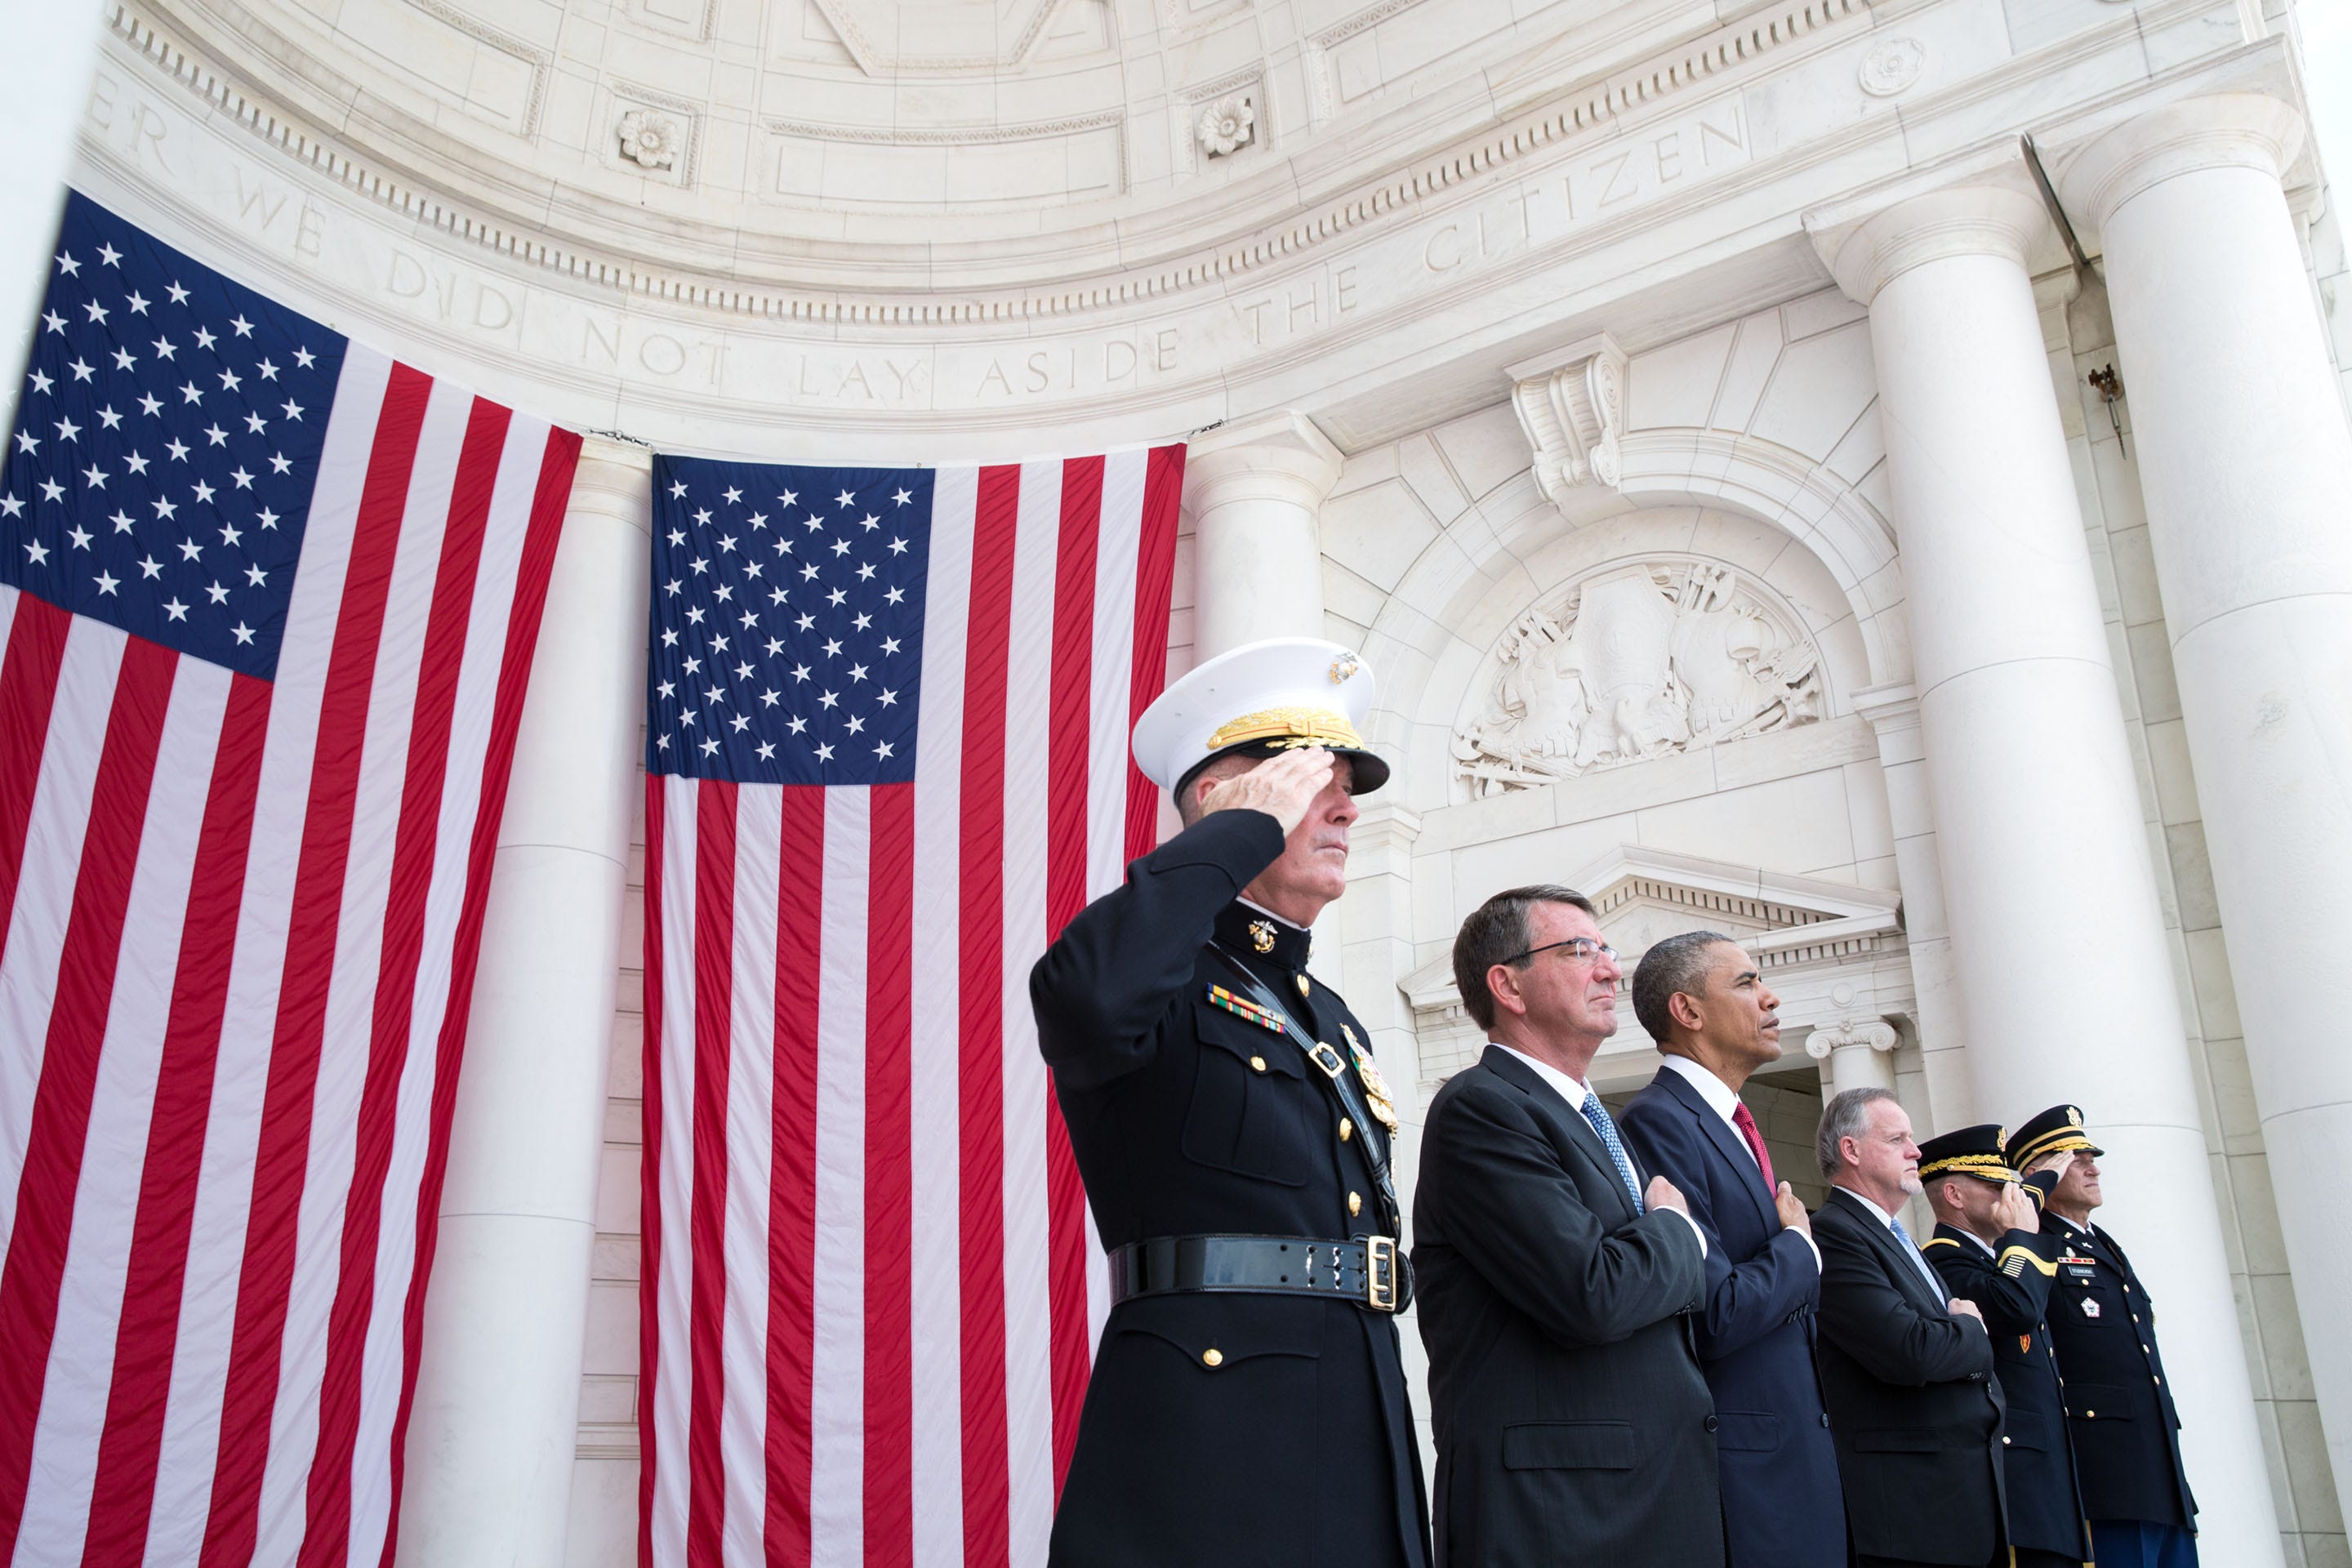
(1226, 125)
(1631, 663)
(650, 140)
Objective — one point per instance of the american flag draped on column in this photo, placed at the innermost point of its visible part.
(887, 756)
(268, 601)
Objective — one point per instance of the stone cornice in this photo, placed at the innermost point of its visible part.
(1566, 123)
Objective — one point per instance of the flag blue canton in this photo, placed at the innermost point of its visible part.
(787, 622)
(166, 444)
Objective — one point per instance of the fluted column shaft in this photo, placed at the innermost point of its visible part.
(2066, 983)
(1253, 487)
(2246, 464)
(491, 1441)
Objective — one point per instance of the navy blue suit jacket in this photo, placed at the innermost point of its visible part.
(1781, 1503)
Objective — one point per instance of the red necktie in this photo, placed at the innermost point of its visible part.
(1747, 1125)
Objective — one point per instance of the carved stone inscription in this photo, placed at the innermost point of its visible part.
(1631, 663)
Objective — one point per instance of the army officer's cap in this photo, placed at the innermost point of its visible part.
(1971, 1151)
(2054, 1131)
(1256, 701)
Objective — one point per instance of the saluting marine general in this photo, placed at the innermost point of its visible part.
(1248, 1401)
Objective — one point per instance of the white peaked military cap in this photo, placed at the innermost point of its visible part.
(1257, 700)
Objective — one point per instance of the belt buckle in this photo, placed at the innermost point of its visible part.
(1381, 1273)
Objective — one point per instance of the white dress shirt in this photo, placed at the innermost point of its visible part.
(1722, 1101)
(1887, 1218)
(1569, 1090)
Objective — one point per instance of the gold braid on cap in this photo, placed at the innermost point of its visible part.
(1288, 727)
(1990, 1166)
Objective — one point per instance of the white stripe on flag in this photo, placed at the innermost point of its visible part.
(224, 1190)
(750, 1141)
(90, 1303)
(1028, 1350)
(837, 1400)
(44, 887)
(674, 1375)
(936, 1017)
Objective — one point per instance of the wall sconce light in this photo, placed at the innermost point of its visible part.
(2111, 387)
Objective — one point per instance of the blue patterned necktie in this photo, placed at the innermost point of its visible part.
(1919, 1260)
(1598, 1114)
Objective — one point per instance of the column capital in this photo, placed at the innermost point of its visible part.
(1277, 456)
(615, 478)
(2215, 130)
(1894, 705)
(1866, 253)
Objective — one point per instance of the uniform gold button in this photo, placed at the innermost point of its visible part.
(2090, 1415)
(1347, 1130)
(2159, 1382)
(1257, 1064)
(1355, 1202)
(2004, 1442)
(1302, 986)
(1213, 1356)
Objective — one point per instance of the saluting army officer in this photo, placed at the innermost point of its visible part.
(1248, 1402)
(1991, 1248)
(2126, 1435)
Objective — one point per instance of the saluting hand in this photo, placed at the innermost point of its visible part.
(2012, 1210)
(1283, 786)
(1792, 1210)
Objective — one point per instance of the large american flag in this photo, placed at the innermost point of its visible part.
(887, 757)
(268, 600)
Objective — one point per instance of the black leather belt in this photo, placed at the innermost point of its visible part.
(1367, 1270)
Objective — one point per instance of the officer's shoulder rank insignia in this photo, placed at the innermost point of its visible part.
(1242, 1007)
(1262, 935)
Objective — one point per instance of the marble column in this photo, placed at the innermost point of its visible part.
(2064, 981)
(2246, 464)
(45, 79)
(491, 1442)
(1254, 487)
(1857, 1054)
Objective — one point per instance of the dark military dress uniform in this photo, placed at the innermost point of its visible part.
(1225, 1428)
(2010, 1284)
(2126, 1432)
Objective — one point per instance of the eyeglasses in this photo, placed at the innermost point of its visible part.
(1578, 947)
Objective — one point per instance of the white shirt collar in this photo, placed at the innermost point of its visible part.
(1870, 1205)
(1980, 1240)
(1718, 1095)
(1567, 1087)
(1269, 914)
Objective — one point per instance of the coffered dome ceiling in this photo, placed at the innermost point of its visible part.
(909, 144)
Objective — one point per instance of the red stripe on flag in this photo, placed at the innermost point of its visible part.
(28, 689)
(148, 1336)
(649, 1230)
(1069, 747)
(889, 1179)
(281, 1159)
(987, 1475)
(1155, 574)
(559, 462)
(714, 968)
(327, 1535)
(54, 1140)
(792, 1178)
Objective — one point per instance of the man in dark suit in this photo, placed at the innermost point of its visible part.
(1907, 1370)
(1991, 1248)
(1705, 1002)
(1247, 1402)
(2119, 1411)
(1571, 1415)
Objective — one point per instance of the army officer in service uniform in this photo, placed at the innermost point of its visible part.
(1991, 1248)
(2126, 1432)
(1247, 1403)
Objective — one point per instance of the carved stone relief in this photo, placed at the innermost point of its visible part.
(1635, 662)
(651, 140)
(1226, 125)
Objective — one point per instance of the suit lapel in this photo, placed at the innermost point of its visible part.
(1569, 1125)
(1907, 1272)
(1727, 1142)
